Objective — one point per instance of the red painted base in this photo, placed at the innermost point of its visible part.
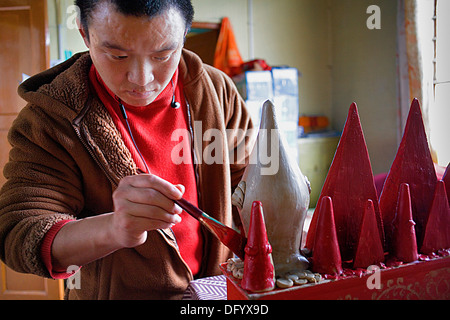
(420, 280)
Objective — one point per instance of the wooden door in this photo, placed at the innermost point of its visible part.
(24, 52)
(203, 40)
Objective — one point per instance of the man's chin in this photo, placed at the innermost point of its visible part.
(134, 101)
(137, 104)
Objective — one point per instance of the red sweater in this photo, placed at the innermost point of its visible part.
(155, 131)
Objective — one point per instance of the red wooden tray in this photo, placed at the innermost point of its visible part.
(420, 280)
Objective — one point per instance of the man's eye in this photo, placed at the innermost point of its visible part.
(118, 57)
(165, 58)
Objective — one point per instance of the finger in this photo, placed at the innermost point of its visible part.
(150, 209)
(137, 225)
(150, 213)
(152, 197)
(181, 188)
(151, 190)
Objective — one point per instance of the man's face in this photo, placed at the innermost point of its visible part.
(135, 56)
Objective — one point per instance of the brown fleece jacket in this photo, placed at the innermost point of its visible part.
(67, 158)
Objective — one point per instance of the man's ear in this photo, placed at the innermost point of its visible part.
(185, 34)
(84, 33)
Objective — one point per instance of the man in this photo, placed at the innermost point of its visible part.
(95, 164)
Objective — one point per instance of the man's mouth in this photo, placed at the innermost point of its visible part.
(140, 94)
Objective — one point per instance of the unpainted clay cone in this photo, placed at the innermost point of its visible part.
(405, 244)
(326, 256)
(349, 183)
(437, 232)
(284, 190)
(412, 165)
(370, 249)
(446, 179)
(259, 273)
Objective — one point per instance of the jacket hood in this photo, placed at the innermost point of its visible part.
(67, 83)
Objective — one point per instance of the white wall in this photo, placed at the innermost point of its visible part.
(440, 108)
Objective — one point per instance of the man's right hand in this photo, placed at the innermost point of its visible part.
(142, 203)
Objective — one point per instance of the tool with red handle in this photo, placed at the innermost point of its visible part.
(228, 236)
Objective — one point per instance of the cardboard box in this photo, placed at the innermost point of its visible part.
(281, 86)
(285, 81)
(421, 280)
(255, 85)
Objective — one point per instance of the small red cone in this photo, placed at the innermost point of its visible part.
(405, 244)
(413, 165)
(370, 249)
(349, 183)
(259, 272)
(437, 232)
(326, 256)
(446, 179)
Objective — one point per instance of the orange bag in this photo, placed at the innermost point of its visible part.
(227, 57)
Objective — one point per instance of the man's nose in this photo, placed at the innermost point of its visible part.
(141, 73)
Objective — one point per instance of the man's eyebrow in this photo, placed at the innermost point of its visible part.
(111, 45)
(169, 47)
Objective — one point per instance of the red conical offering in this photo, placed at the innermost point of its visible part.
(446, 179)
(405, 244)
(326, 256)
(412, 165)
(370, 249)
(437, 232)
(349, 183)
(259, 272)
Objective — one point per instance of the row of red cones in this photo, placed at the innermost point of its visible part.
(351, 224)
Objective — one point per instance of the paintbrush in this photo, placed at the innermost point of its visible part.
(228, 236)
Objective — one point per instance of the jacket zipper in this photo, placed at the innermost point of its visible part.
(173, 243)
(76, 125)
(197, 178)
(194, 156)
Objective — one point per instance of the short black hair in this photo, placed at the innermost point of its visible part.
(138, 8)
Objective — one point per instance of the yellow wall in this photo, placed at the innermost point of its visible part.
(340, 59)
(70, 37)
(285, 32)
(365, 72)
